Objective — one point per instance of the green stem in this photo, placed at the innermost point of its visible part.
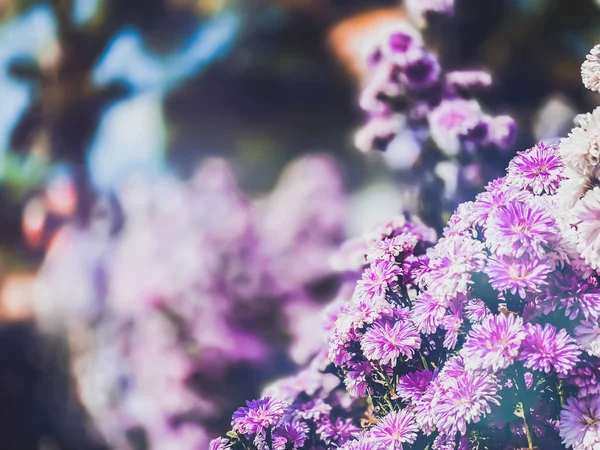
(424, 361)
(527, 427)
(561, 394)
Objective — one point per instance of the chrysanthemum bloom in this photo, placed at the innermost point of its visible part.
(394, 429)
(356, 378)
(581, 149)
(476, 310)
(579, 425)
(421, 70)
(521, 228)
(360, 313)
(587, 334)
(291, 433)
(450, 120)
(498, 194)
(412, 386)
(376, 280)
(587, 218)
(428, 312)
(547, 350)
(219, 444)
(568, 291)
(517, 275)
(257, 416)
(338, 431)
(494, 343)
(467, 399)
(590, 69)
(585, 377)
(385, 343)
(450, 273)
(538, 169)
(503, 132)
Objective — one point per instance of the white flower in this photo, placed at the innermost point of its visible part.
(581, 150)
(590, 70)
(587, 216)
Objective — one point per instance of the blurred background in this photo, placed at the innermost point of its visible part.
(176, 177)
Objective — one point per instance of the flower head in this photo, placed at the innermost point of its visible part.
(517, 275)
(257, 416)
(413, 385)
(378, 278)
(394, 429)
(337, 431)
(547, 350)
(385, 343)
(579, 425)
(538, 169)
(590, 69)
(494, 343)
(520, 228)
(466, 399)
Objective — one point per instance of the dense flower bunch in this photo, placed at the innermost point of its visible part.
(426, 119)
(409, 96)
(178, 308)
(317, 404)
(492, 338)
(307, 410)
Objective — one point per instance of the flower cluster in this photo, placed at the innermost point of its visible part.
(307, 410)
(409, 95)
(426, 119)
(178, 307)
(491, 337)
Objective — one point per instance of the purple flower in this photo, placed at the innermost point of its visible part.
(452, 324)
(494, 343)
(517, 275)
(219, 444)
(360, 313)
(580, 423)
(586, 377)
(315, 410)
(538, 169)
(385, 343)
(450, 120)
(421, 70)
(257, 416)
(587, 335)
(466, 399)
(338, 354)
(476, 310)
(400, 42)
(378, 132)
(291, 433)
(503, 132)
(546, 350)
(413, 385)
(339, 431)
(356, 378)
(378, 278)
(427, 313)
(394, 429)
(499, 194)
(392, 248)
(567, 291)
(520, 228)
(450, 273)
